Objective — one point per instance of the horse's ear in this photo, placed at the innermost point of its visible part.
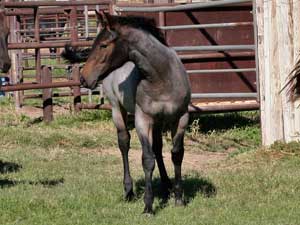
(1, 5)
(104, 19)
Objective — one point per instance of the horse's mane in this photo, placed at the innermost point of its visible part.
(141, 23)
(293, 83)
(74, 55)
(1, 6)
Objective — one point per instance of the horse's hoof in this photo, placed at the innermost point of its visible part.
(179, 202)
(129, 196)
(148, 212)
(169, 185)
(166, 190)
(165, 195)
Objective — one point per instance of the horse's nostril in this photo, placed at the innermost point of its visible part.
(6, 67)
(82, 80)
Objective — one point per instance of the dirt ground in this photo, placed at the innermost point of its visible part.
(199, 161)
(37, 112)
(192, 161)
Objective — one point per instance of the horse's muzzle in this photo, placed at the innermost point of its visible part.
(83, 82)
(5, 66)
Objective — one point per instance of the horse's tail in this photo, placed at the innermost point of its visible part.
(75, 55)
(293, 84)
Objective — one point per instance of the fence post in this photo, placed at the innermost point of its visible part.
(47, 95)
(162, 22)
(15, 60)
(278, 48)
(76, 89)
(37, 39)
(57, 36)
(73, 23)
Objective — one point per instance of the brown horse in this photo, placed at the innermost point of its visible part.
(141, 75)
(4, 31)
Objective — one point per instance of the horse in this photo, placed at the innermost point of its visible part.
(4, 31)
(143, 76)
(293, 83)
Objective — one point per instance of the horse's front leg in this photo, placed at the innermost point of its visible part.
(144, 128)
(119, 118)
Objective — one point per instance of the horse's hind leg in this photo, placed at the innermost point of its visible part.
(119, 117)
(177, 155)
(157, 148)
(144, 128)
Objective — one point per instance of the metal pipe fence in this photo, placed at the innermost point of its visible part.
(218, 55)
(224, 95)
(32, 86)
(183, 7)
(205, 26)
(33, 4)
(217, 51)
(60, 44)
(46, 11)
(214, 48)
(222, 71)
(223, 108)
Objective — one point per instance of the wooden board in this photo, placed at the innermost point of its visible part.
(278, 24)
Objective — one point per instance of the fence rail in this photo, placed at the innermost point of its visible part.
(76, 12)
(184, 7)
(32, 86)
(222, 71)
(204, 26)
(214, 48)
(30, 4)
(224, 95)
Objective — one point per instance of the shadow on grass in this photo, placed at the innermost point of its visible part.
(6, 183)
(9, 167)
(191, 186)
(219, 122)
(34, 121)
(215, 122)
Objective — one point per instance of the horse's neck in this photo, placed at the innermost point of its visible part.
(155, 52)
(150, 56)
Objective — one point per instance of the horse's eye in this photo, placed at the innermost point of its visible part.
(103, 45)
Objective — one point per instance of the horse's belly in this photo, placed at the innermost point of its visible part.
(163, 108)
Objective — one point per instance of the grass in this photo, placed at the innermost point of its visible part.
(49, 62)
(61, 173)
(236, 132)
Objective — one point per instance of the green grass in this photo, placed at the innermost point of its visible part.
(236, 132)
(61, 174)
(49, 62)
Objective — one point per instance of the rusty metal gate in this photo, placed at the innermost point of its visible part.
(215, 41)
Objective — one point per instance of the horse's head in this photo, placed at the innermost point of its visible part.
(4, 31)
(108, 53)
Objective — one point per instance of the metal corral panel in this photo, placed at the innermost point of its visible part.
(235, 34)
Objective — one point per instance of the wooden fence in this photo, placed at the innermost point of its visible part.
(278, 40)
